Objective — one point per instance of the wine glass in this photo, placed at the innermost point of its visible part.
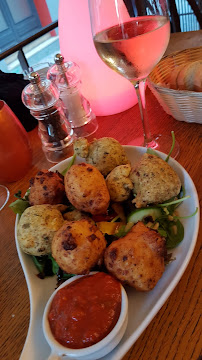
(131, 36)
(4, 196)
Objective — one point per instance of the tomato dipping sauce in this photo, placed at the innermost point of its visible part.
(85, 311)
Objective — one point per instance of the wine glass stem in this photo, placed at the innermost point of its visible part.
(140, 91)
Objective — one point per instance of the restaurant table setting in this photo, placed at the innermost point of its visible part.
(161, 324)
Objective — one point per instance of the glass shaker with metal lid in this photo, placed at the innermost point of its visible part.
(66, 76)
(41, 97)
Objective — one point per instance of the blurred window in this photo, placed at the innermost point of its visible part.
(188, 21)
(16, 7)
(3, 25)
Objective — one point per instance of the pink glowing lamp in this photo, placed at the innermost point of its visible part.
(108, 92)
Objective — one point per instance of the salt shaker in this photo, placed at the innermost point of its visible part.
(41, 97)
(66, 75)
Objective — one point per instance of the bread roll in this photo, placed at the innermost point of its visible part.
(186, 76)
(198, 77)
(174, 76)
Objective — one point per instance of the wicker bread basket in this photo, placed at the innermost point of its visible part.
(183, 105)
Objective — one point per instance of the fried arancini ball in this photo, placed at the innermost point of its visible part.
(154, 181)
(86, 189)
(137, 259)
(105, 153)
(78, 246)
(119, 183)
(75, 215)
(81, 147)
(47, 187)
(36, 229)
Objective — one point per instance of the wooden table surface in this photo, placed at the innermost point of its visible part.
(175, 332)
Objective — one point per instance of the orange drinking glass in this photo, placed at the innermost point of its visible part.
(15, 150)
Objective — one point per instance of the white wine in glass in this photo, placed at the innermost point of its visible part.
(131, 37)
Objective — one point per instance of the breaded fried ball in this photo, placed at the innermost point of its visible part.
(154, 181)
(105, 153)
(86, 189)
(78, 246)
(47, 187)
(119, 184)
(75, 215)
(36, 229)
(81, 147)
(137, 259)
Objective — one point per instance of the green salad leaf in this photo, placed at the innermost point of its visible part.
(169, 224)
(47, 266)
(162, 232)
(173, 202)
(55, 266)
(19, 206)
(43, 265)
(173, 232)
(172, 147)
(21, 203)
(121, 232)
(69, 165)
(152, 152)
(39, 263)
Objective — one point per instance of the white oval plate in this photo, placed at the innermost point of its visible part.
(142, 306)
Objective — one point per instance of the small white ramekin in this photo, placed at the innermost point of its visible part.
(92, 352)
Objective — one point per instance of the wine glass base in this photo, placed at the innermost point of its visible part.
(4, 196)
(161, 143)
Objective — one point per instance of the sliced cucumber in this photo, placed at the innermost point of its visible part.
(141, 214)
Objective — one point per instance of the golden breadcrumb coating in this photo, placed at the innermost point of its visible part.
(119, 184)
(154, 181)
(137, 259)
(86, 189)
(47, 187)
(78, 246)
(75, 215)
(105, 153)
(36, 229)
(81, 147)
